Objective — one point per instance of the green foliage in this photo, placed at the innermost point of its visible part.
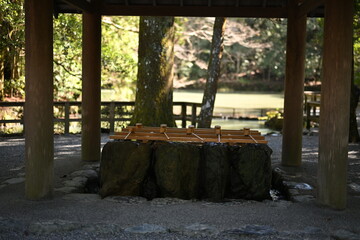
(11, 48)
(271, 58)
(356, 40)
(314, 44)
(255, 50)
(67, 56)
(274, 120)
(119, 55)
(12, 24)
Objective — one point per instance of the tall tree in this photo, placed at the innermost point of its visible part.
(208, 101)
(154, 88)
(11, 48)
(355, 91)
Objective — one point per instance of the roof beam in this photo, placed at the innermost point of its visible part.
(195, 11)
(81, 5)
(309, 5)
(264, 3)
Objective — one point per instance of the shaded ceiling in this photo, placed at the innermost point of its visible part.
(209, 8)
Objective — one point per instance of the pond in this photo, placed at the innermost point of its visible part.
(235, 105)
(237, 100)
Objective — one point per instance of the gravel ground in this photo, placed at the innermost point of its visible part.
(86, 216)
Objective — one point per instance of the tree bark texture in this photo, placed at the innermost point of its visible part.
(1, 80)
(208, 101)
(354, 100)
(154, 89)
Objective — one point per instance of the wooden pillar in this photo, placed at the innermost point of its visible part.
(39, 140)
(91, 80)
(112, 117)
(294, 88)
(67, 118)
(335, 105)
(183, 115)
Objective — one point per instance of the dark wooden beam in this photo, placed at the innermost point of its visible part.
(39, 138)
(294, 88)
(264, 3)
(335, 102)
(91, 81)
(309, 5)
(198, 11)
(81, 5)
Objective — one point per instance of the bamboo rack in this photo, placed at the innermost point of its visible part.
(190, 134)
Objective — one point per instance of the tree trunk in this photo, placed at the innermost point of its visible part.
(213, 74)
(154, 93)
(2, 93)
(354, 99)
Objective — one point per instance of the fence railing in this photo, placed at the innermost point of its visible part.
(111, 112)
(311, 107)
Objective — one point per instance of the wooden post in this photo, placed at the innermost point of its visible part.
(112, 117)
(39, 140)
(67, 117)
(190, 129)
(294, 88)
(308, 108)
(218, 132)
(314, 108)
(183, 115)
(91, 100)
(335, 102)
(193, 114)
(246, 131)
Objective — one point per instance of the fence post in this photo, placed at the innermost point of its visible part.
(308, 107)
(313, 98)
(112, 117)
(67, 117)
(193, 114)
(183, 115)
(262, 112)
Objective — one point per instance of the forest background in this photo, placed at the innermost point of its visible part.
(253, 59)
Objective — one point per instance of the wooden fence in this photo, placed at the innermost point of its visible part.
(116, 111)
(311, 107)
(111, 112)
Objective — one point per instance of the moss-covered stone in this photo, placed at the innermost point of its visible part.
(187, 171)
(250, 172)
(176, 170)
(215, 171)
(123, 168)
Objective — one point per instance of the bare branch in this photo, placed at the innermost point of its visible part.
(107, 20)
(67, 70)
